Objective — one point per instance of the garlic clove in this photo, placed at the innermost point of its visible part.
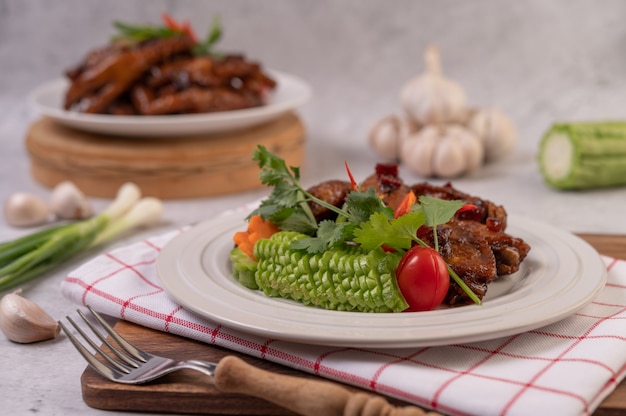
(68, 202)
(418, 149)
(23, 321)
(496, 131)
(407, 127)
(448, 158)
(431, 98)
(442, 151)
(384, 137)
(25, 210)
(471, 146)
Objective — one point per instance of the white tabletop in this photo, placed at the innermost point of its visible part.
(540, 62)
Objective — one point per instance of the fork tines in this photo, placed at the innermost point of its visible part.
(128, 357)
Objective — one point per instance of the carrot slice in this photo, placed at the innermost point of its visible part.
(257, 230)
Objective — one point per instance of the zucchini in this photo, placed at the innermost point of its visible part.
(584, 155)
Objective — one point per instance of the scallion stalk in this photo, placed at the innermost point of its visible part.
(32, 255)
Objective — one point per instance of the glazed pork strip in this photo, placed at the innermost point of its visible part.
(473, 243)
(201, 85)
(100, 83)
(193, 100)
(334, 192)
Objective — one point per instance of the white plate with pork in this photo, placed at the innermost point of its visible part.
(561, 274)
(290, 93)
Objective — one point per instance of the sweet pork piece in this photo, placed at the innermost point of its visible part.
(162, 76)
(486, 212)
(192, 100)
(334, 192)
(107, 74)
(478, 254)
(387, 184)
(201, 85)
(473, 243)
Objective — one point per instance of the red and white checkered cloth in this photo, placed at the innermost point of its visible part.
(566, 368)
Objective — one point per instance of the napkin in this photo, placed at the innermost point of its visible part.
(566, 368)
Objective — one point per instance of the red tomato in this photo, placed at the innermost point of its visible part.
(423, 278)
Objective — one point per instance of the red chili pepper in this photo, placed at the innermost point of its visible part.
(388, 249)
(466, 207)
(170, 22)
(188, 30)
(406, 204)
(184, 27)
(352, 181)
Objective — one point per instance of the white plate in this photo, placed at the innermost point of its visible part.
(290, 93)
(561, 274)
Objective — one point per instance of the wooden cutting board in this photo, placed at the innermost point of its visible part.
(177, 167)
(188, 392)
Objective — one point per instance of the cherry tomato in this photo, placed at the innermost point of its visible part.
(423, 278)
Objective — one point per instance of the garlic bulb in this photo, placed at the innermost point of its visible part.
(25, 210)
(432, 98)
(442, 151)
(23, 321)
(68, 202)
(496, 131)
(387, 134)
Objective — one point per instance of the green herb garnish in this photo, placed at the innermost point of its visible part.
(215, 34)
(136, 33)
(363, 220)
(141, 33)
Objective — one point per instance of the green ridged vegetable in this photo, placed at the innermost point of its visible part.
(584, 155)
(244, 268)
(346, 279)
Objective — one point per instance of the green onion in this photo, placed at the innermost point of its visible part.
(32, 255)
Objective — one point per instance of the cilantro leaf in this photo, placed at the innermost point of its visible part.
(286, 195)
(361, 205)
(312, 245)
(286, 207)
(438, 211)
(329, 234)
(296, 221)
(397, 233)
(274, 168)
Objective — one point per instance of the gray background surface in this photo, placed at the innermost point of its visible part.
(539, 61)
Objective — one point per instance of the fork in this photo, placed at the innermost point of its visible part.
(128, 364)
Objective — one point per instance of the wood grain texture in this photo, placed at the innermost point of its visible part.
(188, 392)
(168, 168)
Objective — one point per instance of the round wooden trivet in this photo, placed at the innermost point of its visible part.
(182, 167)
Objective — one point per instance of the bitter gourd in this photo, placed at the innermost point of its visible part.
(584, 155)
(244, 268)
(346, 279)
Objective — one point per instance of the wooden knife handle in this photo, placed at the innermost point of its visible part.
(304, 396)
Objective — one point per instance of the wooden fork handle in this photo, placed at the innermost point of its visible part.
(303, 396)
